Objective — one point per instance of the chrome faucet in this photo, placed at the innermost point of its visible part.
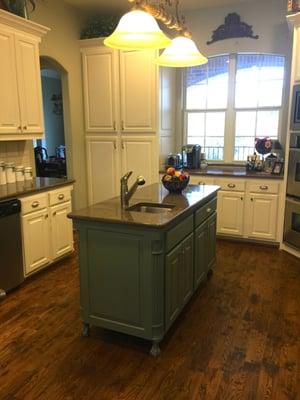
(126, 193)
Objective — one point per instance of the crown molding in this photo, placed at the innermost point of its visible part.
(22, 24)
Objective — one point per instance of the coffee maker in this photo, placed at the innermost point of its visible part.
(191, 156)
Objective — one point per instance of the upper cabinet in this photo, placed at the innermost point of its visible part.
(21, 113)
(119, 89)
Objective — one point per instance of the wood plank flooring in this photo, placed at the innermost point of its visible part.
(238, 339)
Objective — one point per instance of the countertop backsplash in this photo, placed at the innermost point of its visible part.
(19, 152)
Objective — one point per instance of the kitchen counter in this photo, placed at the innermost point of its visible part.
(231, 171)
(19, 189)
(112, 212)
(138, 270)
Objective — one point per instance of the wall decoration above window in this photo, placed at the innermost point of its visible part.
(232, 28)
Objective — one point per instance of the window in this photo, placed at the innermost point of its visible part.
(232, 100)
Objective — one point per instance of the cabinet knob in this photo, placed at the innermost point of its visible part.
(123, 145)
(19, 128)
(251, 199)
(35, 204)
(61, 196)
(231, 185)
(25, 128)
(54, 214)
(122, 125)
(46, 216)
(114, 125)
(115, 145)
(264, 187)
(242, 198)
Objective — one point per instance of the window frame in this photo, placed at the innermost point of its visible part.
(231, 110)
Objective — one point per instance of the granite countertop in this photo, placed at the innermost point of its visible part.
(111, 211)
(19, 189)
(231, 171)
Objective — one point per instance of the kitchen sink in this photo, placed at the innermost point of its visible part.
(152, 208)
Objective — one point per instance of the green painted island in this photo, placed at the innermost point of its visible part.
(139, 269)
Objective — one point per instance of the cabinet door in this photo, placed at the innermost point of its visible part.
(173, 285)
(9, 110)
(230, 213)
(211, 241)
(200, 254)
(187, 269)
(36, 240)
(261, 216)
(29, 84)
(100, 80)
(103, 168)
(61, 230)
(138, 91)
(140, 155)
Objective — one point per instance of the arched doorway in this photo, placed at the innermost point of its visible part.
(52, 152)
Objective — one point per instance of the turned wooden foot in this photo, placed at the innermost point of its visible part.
(155, 350)
(86, 329)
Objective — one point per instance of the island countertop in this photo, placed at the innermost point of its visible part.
(111, 211)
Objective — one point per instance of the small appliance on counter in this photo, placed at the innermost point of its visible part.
(191, 156)
(174, 160)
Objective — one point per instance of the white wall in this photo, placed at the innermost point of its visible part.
(61, 44)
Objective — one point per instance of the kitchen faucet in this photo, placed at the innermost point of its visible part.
(126, 193)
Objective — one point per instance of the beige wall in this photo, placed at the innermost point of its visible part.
(61, 44)
(268, 19)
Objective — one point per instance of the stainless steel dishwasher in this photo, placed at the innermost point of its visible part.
(11, 259)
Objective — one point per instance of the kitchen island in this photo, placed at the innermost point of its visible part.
(140, 266)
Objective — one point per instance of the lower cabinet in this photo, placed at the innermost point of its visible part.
(230, 213)
(261, 219)
(205, 249)
(36, 239)
(61, 230)
(46, 230)
(179, 278)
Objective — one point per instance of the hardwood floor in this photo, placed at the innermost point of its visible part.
(238, 339)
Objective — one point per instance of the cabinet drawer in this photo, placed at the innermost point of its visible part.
(179, 232)
(206, 211)
(231, 184)
(34, 203)
(59, 196)
(260, 187)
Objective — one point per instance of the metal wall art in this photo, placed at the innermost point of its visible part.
(232, 28)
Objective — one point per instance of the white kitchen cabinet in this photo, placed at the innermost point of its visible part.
(61, 230)
(36, 239)
(47, 233)
(261, 217)
(10, 122)
(139, 154)
(230, 211)
(138, 91)
(21, 114)
(119, 89)
(100, 80)
(29, 84)
(103, 165)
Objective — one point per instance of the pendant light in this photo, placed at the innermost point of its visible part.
(137, 30)
(183, 52)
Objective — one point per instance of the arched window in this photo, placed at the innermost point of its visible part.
(232, 100)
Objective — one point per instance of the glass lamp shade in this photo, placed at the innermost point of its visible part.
(137, 30)
(183, 52)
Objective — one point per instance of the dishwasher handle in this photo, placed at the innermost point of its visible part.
(9, 207)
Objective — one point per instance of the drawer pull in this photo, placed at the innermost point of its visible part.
(61, 197)
(242, 198)
(35, 204)
(54, 214)
(208, 210)
(231, 185)
(264, 187)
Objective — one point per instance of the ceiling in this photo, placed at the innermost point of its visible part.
(114, 6)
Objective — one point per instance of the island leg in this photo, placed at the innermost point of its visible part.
(86, 329)
(155, 350)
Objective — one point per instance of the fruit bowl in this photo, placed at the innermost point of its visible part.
(175, 181)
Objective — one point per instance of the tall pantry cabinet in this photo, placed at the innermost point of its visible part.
(121, 101)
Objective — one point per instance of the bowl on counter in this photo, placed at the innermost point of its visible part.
(175, 181)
